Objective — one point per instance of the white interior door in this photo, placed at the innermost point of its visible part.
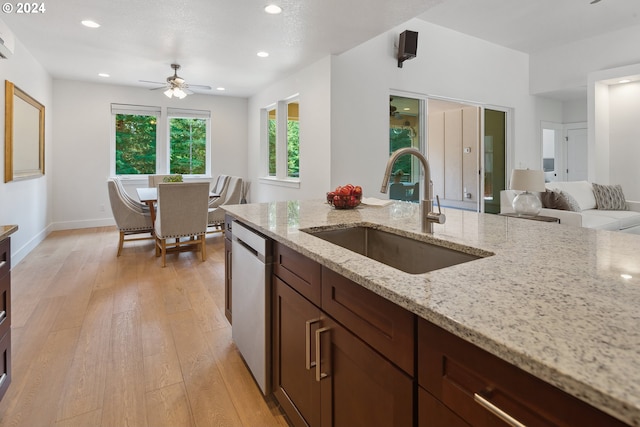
(577, 154)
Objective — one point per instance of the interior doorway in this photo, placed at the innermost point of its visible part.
(577, 149)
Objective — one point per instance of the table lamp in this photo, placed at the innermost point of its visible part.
(528, 181)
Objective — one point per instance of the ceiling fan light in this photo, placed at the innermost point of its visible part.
(179, 93)
(169, 93)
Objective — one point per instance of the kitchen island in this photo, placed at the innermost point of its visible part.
(561, 303)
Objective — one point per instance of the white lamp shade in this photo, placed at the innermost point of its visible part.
(527, 180)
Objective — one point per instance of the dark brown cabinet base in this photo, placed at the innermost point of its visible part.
(5, 315)
(324, 374)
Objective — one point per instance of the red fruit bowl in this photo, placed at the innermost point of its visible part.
(339, 201)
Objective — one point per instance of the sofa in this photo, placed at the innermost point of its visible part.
(576, 203)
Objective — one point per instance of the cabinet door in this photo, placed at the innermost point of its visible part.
(227, 278)
(432, 413)
(5, 363)
(360, 388)
(295, 321)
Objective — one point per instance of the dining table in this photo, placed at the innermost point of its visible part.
(149, 195)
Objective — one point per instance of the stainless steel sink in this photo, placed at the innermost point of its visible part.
(404, 253)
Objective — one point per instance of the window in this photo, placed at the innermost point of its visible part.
(188, 141)
(135, 140)
(293, 141)
(282, 128)
(150, 140)
(271, 132)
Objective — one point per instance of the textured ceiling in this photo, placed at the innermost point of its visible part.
(216, 41)
(534, 25)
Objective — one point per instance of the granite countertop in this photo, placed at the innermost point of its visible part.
(7, 230)
(552, 300)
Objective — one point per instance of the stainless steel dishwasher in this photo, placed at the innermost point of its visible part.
(251, 301)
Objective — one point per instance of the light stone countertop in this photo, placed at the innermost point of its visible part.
(7, 230)
(551, 300)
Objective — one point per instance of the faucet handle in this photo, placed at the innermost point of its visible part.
(439, 217)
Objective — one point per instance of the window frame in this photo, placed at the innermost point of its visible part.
(163, 138)
(281, 177)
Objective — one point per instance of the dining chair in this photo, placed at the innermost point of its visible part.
(232, 197)
(131, 219)
(125, 194)
(182, 212)
(154, 180)
(220, 188)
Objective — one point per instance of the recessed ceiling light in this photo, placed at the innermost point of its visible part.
(104, 75)
(263, 54)
(89, 23)
(220, 88)
(407, 109)
(626, 276)
(273, 9)
(625, 81)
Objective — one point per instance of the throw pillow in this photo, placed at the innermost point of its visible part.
(609, 197)
(553, 200)
(571, 201)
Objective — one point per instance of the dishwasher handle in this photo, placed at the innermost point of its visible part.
(254, 242)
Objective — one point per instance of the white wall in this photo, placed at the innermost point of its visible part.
(624, 138)
(82, 128)
(448, 64)
(568, 66)
(313, 86)
(28, 203)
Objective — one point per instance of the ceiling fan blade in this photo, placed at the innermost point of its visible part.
(159, 88)
(200, 87)
(155, 83)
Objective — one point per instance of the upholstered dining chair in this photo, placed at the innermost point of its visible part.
(125, 195)
(232, 197)
(182, 212)
(131, 219)
(154, 180)
(220, 188)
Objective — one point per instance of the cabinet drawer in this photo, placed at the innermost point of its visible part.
(298, 271)
(5, 363)
(5, 303)
(457, 372)
(5, 256)
(385, 326)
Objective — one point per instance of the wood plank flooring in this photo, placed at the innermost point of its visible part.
(100, 340)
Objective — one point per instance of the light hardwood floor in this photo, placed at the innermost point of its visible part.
(99, 340)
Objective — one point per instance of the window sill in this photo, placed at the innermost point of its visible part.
(290, 183)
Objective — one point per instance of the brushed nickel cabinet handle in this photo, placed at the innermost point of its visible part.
(497, 411)
(319, 374)
(2, 263)
(3, 316)
(2, 378)
(308, 364)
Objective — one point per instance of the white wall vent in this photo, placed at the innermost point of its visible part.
(7, 41)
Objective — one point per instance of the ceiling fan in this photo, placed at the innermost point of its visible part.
(176, 85)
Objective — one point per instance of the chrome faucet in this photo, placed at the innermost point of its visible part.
(426, 205)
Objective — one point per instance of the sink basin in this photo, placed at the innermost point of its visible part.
(404, 253)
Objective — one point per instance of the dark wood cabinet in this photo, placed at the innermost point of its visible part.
(477, 386)
(358, 386)
(294, 384)
(325, 374)
(5, 315)
(228, 219)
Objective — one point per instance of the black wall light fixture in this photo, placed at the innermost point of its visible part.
(408, 46)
